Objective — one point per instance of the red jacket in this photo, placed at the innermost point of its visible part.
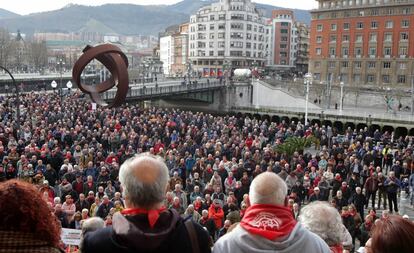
(217, 214)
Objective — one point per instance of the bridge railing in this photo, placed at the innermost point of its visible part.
(164, 90)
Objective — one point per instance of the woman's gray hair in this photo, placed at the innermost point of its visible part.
(144, 194)
(324, 220)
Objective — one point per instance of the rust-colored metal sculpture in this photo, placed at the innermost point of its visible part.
(115, 61)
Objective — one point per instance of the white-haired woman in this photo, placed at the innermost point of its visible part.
(325, 221)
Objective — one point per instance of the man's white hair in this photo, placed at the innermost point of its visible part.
(268, 188)
(143, 194)
(323, 220)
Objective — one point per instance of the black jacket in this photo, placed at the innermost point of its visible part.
(132, 234)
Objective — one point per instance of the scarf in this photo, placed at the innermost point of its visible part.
(152, 215)
(336, 248)
(268, 221)
(21, 242)
(230, 180)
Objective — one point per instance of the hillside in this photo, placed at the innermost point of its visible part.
(126, 19)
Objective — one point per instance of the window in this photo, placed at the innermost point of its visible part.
(357, 78)
(236, 44)
(401, 79)
(283, 31)
(332, 51)
(403, 51)
(221, 44)
(318, 39)
(238, 26)
(211, 53)
(373, 37)
(317, 64)
(332, 64)
(211, 44)
(220, 53)
(405, 11)
(333, 27)
(318, 51)
(402, 65)
(222, 16)
(249, 27)
(248, 45)
(283, 46)
(284, 24)
(370, 78)
(358, 51)
(385, 78)
(374, 12)
(405, 23)
(388, 37)
(360, 25)
(236, 53)
(319, 28)
(345, 38)
(222, 26)
(372, 51)
(358, 38)
(374, 25)
(387, 51)
(345, 51)
(389, 24)
(371, 65)
(404, 36)
(285, 38)
(212, 26)
(221, 35)
(386, 65)
(332, 38)
(357, 64)
(211, 36)
(212, 17)
(345, 64)
(346, 26)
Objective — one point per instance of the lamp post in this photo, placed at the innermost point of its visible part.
(307, 81)
(412, 95)
(17, 97)
(69, 85)
(54, 85)
(342, 97)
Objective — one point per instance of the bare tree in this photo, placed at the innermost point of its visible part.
(7, 48)
(38, 54)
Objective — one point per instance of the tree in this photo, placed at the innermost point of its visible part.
(295, 144)
(38, 54)
(7, 47)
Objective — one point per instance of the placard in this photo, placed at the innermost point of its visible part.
(71, 236)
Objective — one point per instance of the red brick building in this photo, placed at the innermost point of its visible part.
(363, 42)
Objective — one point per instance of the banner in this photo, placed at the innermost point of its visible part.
(71, 236)
(219, 72)
(212, 72)
(205, 72)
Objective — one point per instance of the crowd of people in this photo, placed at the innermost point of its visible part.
(73, 154)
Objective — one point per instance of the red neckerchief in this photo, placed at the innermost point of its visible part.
(153, 215)
(268, 221)
(336, 248)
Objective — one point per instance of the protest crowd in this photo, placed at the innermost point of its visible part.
(217, 166)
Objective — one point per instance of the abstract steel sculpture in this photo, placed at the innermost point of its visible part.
(115, 61)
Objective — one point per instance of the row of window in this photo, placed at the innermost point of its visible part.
(222, 44)
(222, 35)
(358, 51)
(369, 78)
(389, 24)
(358, 64)
(232, 53)
(363, 13)
(222, 26)
(360, 38)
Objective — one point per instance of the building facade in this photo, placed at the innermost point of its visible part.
(226, 35)
(283, 40)
(302, 52)
(363, 42)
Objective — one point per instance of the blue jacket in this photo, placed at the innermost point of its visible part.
(392, 185)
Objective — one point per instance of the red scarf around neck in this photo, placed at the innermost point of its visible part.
(152, 215)
(268, 221)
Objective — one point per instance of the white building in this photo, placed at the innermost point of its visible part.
(167, 53)
(226, 35)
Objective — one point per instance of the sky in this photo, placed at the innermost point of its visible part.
(25, 7)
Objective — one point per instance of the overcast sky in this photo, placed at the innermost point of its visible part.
(31, 6)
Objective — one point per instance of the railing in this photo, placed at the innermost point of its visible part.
(166, 90)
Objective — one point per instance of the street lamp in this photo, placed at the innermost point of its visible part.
(69, 85)
(307, 81)
(54, 85)
(17, 98)
(342, 97)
